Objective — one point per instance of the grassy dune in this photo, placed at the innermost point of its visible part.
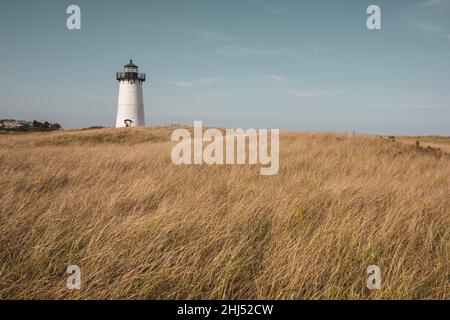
(112, 202)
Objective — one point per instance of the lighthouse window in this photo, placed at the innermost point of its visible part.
(130, 69)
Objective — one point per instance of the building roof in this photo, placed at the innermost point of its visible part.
(130, 65)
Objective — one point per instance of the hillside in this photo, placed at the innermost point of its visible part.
(112, 202)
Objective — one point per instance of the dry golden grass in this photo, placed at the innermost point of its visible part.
(443, 143)
(112, 202)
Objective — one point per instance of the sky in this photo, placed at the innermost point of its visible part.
(292, 65)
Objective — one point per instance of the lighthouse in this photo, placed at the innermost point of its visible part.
(130, 105)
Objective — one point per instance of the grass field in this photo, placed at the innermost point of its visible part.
(112, 202)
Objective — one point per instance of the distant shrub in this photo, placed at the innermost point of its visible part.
(94, 128)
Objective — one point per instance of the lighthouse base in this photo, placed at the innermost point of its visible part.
(130, 116)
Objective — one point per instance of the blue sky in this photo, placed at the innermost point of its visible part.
(299, 65)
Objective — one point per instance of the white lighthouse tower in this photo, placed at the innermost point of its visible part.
(130, 106)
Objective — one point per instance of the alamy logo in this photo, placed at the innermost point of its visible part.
(235, 143)
(74, 280)
(73, 22)
(374, 20)
(373, 277)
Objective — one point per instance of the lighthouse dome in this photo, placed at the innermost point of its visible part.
(130, 65)
(130, 72)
